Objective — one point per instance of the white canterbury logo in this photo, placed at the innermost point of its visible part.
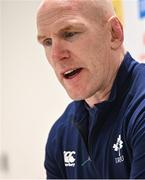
(69, 158)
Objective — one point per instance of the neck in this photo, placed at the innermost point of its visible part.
(98, 97)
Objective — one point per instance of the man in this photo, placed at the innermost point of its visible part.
(101, 134)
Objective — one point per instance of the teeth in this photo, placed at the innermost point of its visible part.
(70, 71)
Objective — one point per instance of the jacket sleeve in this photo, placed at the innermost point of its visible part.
(138, 150)
(54, 162)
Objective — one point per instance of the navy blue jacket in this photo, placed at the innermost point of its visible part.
(107, 141)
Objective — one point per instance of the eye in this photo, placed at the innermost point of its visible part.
(69, 34)
(47, 42)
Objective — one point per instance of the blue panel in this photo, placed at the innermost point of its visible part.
(142, 8)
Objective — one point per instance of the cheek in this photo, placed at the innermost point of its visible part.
(90, 48)
(51, 62)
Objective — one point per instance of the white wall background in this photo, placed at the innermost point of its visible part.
(0, 82)
(30, 95)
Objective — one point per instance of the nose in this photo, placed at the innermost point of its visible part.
(59, 51)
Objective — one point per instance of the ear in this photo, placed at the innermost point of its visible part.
(117, 35)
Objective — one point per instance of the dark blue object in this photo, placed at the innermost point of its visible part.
(104, 142)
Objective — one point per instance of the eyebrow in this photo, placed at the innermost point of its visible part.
(40, 37)
(65, 28)
(71, 26)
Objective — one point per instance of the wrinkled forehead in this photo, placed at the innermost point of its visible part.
(53, 12)
(50, 8)
(90, 9)
(93, 9)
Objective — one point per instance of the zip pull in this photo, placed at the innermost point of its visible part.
(89, 159)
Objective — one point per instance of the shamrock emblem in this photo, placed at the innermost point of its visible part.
(119, 144)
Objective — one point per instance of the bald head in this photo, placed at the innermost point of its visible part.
(98, 10)
(82, 35)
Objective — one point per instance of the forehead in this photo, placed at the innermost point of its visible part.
(50, 6)
(58, 14)
(52, 9)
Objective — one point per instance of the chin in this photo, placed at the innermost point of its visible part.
(77, 96)
(79, 93)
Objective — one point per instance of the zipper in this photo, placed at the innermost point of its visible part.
(85, 162)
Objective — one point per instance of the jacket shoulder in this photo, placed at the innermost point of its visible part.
(64, 121)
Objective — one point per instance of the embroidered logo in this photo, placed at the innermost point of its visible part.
(69, 158)
(117, 147)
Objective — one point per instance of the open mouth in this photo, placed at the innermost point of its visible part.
(72, 73)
